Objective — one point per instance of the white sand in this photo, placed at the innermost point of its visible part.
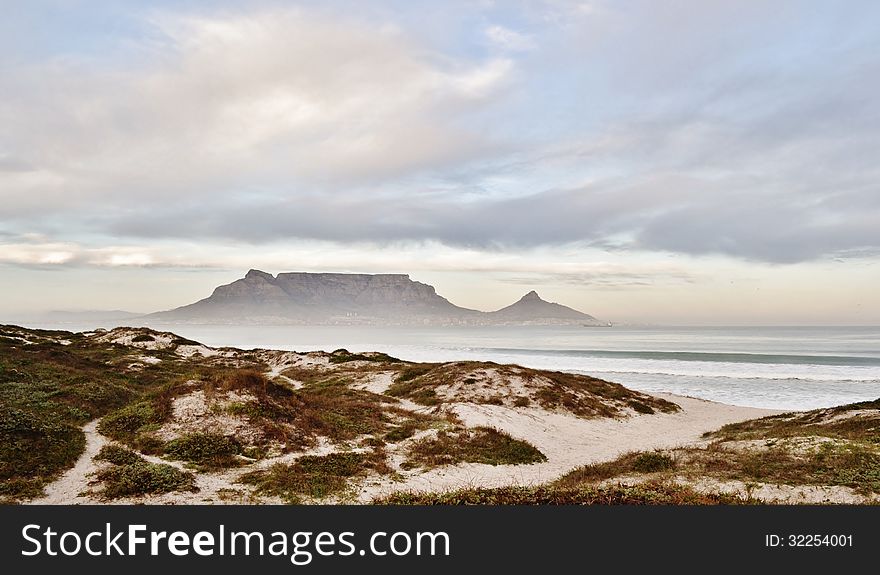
(568, 442)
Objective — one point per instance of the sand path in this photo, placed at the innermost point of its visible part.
(66, 489)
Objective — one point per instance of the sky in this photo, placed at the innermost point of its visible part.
(687, 162)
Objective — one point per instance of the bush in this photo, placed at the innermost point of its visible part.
(640, 407)
(653, 461)
(480, 445)
(210, 450)
(401, 432)
(315, 476)
(143, 478)
(34, 449)
(118, 455)
(123, 424)
(345, 356)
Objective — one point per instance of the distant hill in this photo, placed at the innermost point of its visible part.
(335, 298)
(532, 309)
(97, 317)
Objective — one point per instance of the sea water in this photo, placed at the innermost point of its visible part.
(770, 367)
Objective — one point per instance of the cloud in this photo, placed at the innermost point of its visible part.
(40, 251)
(12, 164)
(731, 215)
(510, 40)
(744, 133)
(250, 99)
(534, 266)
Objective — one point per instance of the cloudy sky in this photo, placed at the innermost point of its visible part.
(688, 161)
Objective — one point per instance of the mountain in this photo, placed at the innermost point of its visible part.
(372, 299)
(532, 309)
(90, 315)
(84, 317)
(300, 297)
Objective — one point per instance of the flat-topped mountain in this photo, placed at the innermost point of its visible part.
(319, 298)
(394, 299)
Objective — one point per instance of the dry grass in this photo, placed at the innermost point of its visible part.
(643, 494)
(855, 422)
(627, 464)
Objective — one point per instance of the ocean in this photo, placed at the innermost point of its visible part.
(791, 368)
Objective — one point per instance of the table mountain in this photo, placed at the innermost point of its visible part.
(301, 297)
(375, 299)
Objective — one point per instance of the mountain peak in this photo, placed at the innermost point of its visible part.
(532, 309)
(252, 274)
(531, 296)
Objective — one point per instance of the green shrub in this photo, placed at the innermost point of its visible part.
(401, 432)
(652, 461)
(123, 424)
(143, 478)
(34, 449)
(640, 407)
(345, 356)
(118, 455)
(315, 476)
(480, 445)
(210, 450)
(413, 371)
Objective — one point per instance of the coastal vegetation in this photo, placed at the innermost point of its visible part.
(316, 476)
(643, 494)
(129, 474)
(480, 445)
(433, 384)
(838, 446)
(319, 426)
